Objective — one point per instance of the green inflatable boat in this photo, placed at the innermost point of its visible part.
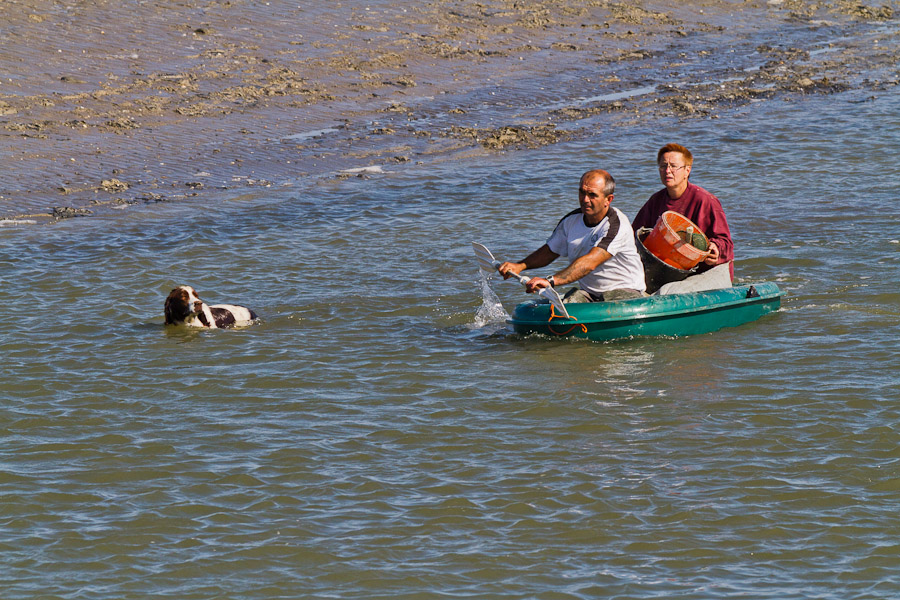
(672, 315)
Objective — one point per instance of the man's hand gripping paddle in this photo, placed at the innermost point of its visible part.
(488, 263)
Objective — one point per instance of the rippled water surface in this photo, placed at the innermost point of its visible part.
(382, 434)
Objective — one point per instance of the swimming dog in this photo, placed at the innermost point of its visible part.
(184, 307)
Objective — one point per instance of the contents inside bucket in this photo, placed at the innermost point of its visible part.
(694, 238)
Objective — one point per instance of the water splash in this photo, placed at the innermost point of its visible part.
(491, 309)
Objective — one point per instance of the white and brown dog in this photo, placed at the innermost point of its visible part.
(184, 307)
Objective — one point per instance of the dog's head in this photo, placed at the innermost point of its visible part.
(181, 304)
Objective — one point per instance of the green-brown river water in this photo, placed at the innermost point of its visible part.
(382, 434)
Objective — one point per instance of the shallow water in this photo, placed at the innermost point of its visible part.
(380, 433)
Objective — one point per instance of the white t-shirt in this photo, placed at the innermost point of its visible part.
(573, 239)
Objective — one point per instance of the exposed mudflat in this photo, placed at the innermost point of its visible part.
(109, 104)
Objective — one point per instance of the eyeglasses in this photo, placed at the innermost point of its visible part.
(667, 166)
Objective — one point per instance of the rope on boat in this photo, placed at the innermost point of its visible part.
(553, 315)
(566, 332)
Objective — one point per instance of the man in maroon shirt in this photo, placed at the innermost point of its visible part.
(690, 200)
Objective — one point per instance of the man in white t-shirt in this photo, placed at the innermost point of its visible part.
(598, 241)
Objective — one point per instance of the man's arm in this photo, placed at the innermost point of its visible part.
(541, 257)
(720, 245)
(711, 219)
(580, 267)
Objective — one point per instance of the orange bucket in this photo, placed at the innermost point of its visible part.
(666, 245)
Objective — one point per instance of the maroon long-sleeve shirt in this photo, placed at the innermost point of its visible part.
(699, 206)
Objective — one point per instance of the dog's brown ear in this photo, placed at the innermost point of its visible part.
(169, 310)
(177, 306)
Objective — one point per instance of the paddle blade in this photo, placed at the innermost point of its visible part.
(553, 296)
(486, 260)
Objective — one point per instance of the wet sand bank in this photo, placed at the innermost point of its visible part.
(119, 104)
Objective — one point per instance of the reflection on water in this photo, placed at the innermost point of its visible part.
(382, 433)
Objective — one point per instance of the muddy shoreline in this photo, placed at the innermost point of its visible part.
(113, 105)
